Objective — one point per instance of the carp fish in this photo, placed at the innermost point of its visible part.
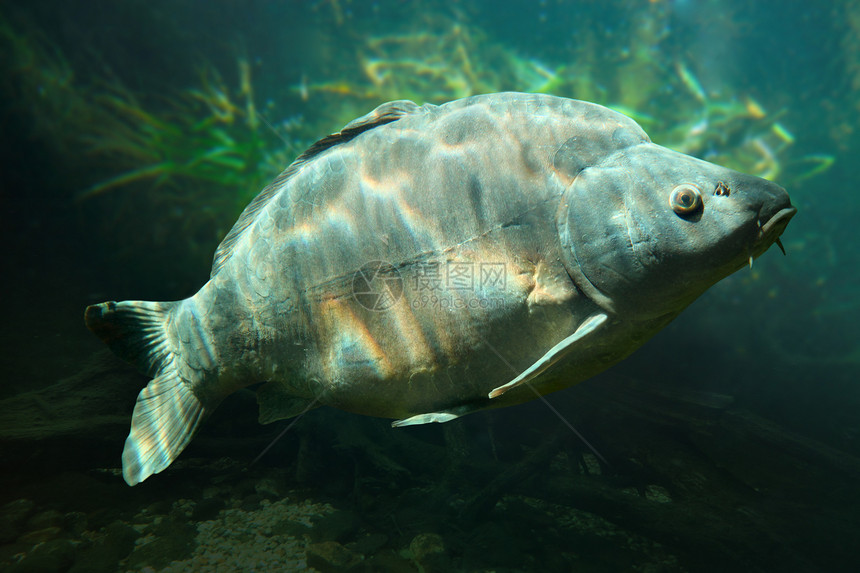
(430, 261)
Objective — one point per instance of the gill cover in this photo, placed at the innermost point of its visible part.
(600, 236)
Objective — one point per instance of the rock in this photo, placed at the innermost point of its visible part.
(12, 552)
(386, 561)
(207, 509)
(105, 554)
(49, 557)
(247, 486)
(45, 519)
(173, 541)
(290, 528)
(658, 493)
(515, 510)
(428, 551)
(269, 488)
(160, 507)
(12, 517)
(497, 545)
(43, 526)
(335, 526)
(75, 522)
(40, 535)
(330, 556)
(251, 502)
(368, 544)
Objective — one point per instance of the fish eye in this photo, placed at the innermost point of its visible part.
(685, 199)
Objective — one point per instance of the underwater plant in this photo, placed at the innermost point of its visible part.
(200, 154)
(207, 137)
(447, 59)
(190, 161)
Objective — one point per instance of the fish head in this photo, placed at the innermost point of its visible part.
(648, 230)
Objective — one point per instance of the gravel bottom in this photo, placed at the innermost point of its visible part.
(247, 540)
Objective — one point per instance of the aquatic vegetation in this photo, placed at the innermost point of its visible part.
(433, 67)
(210, 141)
(197, 146)
(440, 61)
(190, 160)
(194, 164)
(447, 60)
(206, 138)
(198, 155)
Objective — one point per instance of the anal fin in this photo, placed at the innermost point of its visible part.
(554, 354)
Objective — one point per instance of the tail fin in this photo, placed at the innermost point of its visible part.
(167, 412)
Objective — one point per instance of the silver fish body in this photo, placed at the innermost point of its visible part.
(427, 262)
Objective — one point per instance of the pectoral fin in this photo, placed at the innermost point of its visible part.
(555, 354)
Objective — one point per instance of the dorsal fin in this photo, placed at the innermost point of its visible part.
(385, 113)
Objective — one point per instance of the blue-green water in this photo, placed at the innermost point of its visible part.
(135, 133)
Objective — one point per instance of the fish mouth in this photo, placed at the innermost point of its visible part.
(770, 231)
